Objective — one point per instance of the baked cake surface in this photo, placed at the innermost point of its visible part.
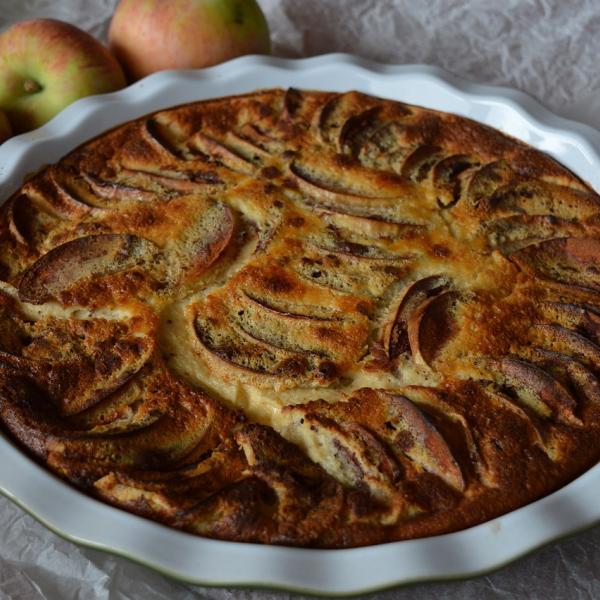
(304, 318)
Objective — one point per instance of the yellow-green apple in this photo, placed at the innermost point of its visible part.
(45, 65)
(5, 128)
(152, 35)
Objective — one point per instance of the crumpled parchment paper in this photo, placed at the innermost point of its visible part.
(547, 48)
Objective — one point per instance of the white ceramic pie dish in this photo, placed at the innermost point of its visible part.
(337, 572)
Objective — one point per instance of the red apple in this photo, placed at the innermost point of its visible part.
(5, 128)
(152, 35)
(45, 65)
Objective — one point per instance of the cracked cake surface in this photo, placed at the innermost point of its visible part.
(304, 318)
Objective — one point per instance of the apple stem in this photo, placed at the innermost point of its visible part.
(31, 86)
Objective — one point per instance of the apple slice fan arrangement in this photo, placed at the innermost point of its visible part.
(294, 317)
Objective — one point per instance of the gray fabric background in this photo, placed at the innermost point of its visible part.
(547, 48)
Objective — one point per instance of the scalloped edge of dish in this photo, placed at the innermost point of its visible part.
(193, 559)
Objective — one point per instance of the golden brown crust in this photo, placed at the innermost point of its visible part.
(304, 318)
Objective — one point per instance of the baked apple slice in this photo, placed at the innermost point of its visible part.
(221, 153)
(332, 337)
(542, 198)
(570, 261)
(564, 340)
(348, 452)
(335, 113)
(259, 488)
(394, 421)
(200, 245)
(231, 350)
(70, 264)
(418, 164)
(514, 232)
(115, 193)
(582, 319)
(483, 182)
(397, 200)
(576, 377)
(395, 332)
(29, 221)
(185, 424)
(58, 190)
(537, 389)
(431, 326)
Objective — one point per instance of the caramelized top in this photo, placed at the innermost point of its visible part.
(304, 318)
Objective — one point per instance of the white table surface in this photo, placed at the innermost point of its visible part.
(547, 48)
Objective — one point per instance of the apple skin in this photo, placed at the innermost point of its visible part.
(152, 35)
(5, 128)
(45, 65)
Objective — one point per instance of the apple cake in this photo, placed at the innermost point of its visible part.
(304, 318)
